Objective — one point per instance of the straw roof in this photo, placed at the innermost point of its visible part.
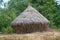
(30, 15)
(30, 20)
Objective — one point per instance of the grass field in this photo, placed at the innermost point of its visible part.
(32, 36)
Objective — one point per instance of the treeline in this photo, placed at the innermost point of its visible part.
(48, 8)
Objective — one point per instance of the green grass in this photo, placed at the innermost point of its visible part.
(7, 39)
(58, 38)
(2, 39)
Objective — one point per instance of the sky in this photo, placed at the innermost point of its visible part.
(5, 1)
(58, 1)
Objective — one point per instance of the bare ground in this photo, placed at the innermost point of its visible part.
(31, 36)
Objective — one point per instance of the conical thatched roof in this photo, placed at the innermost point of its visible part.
(30, 21)
(30, 15)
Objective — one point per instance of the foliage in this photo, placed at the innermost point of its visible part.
(7, 30)
(6, 17)
(57, 17)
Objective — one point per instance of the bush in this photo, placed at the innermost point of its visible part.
(7, 30)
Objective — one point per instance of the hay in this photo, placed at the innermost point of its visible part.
(30, 21)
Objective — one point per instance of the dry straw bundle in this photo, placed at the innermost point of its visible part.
(30, 21)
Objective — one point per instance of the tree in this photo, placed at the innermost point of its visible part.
(57, 16)
(6, 16)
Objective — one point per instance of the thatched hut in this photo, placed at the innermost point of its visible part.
(30, 21)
